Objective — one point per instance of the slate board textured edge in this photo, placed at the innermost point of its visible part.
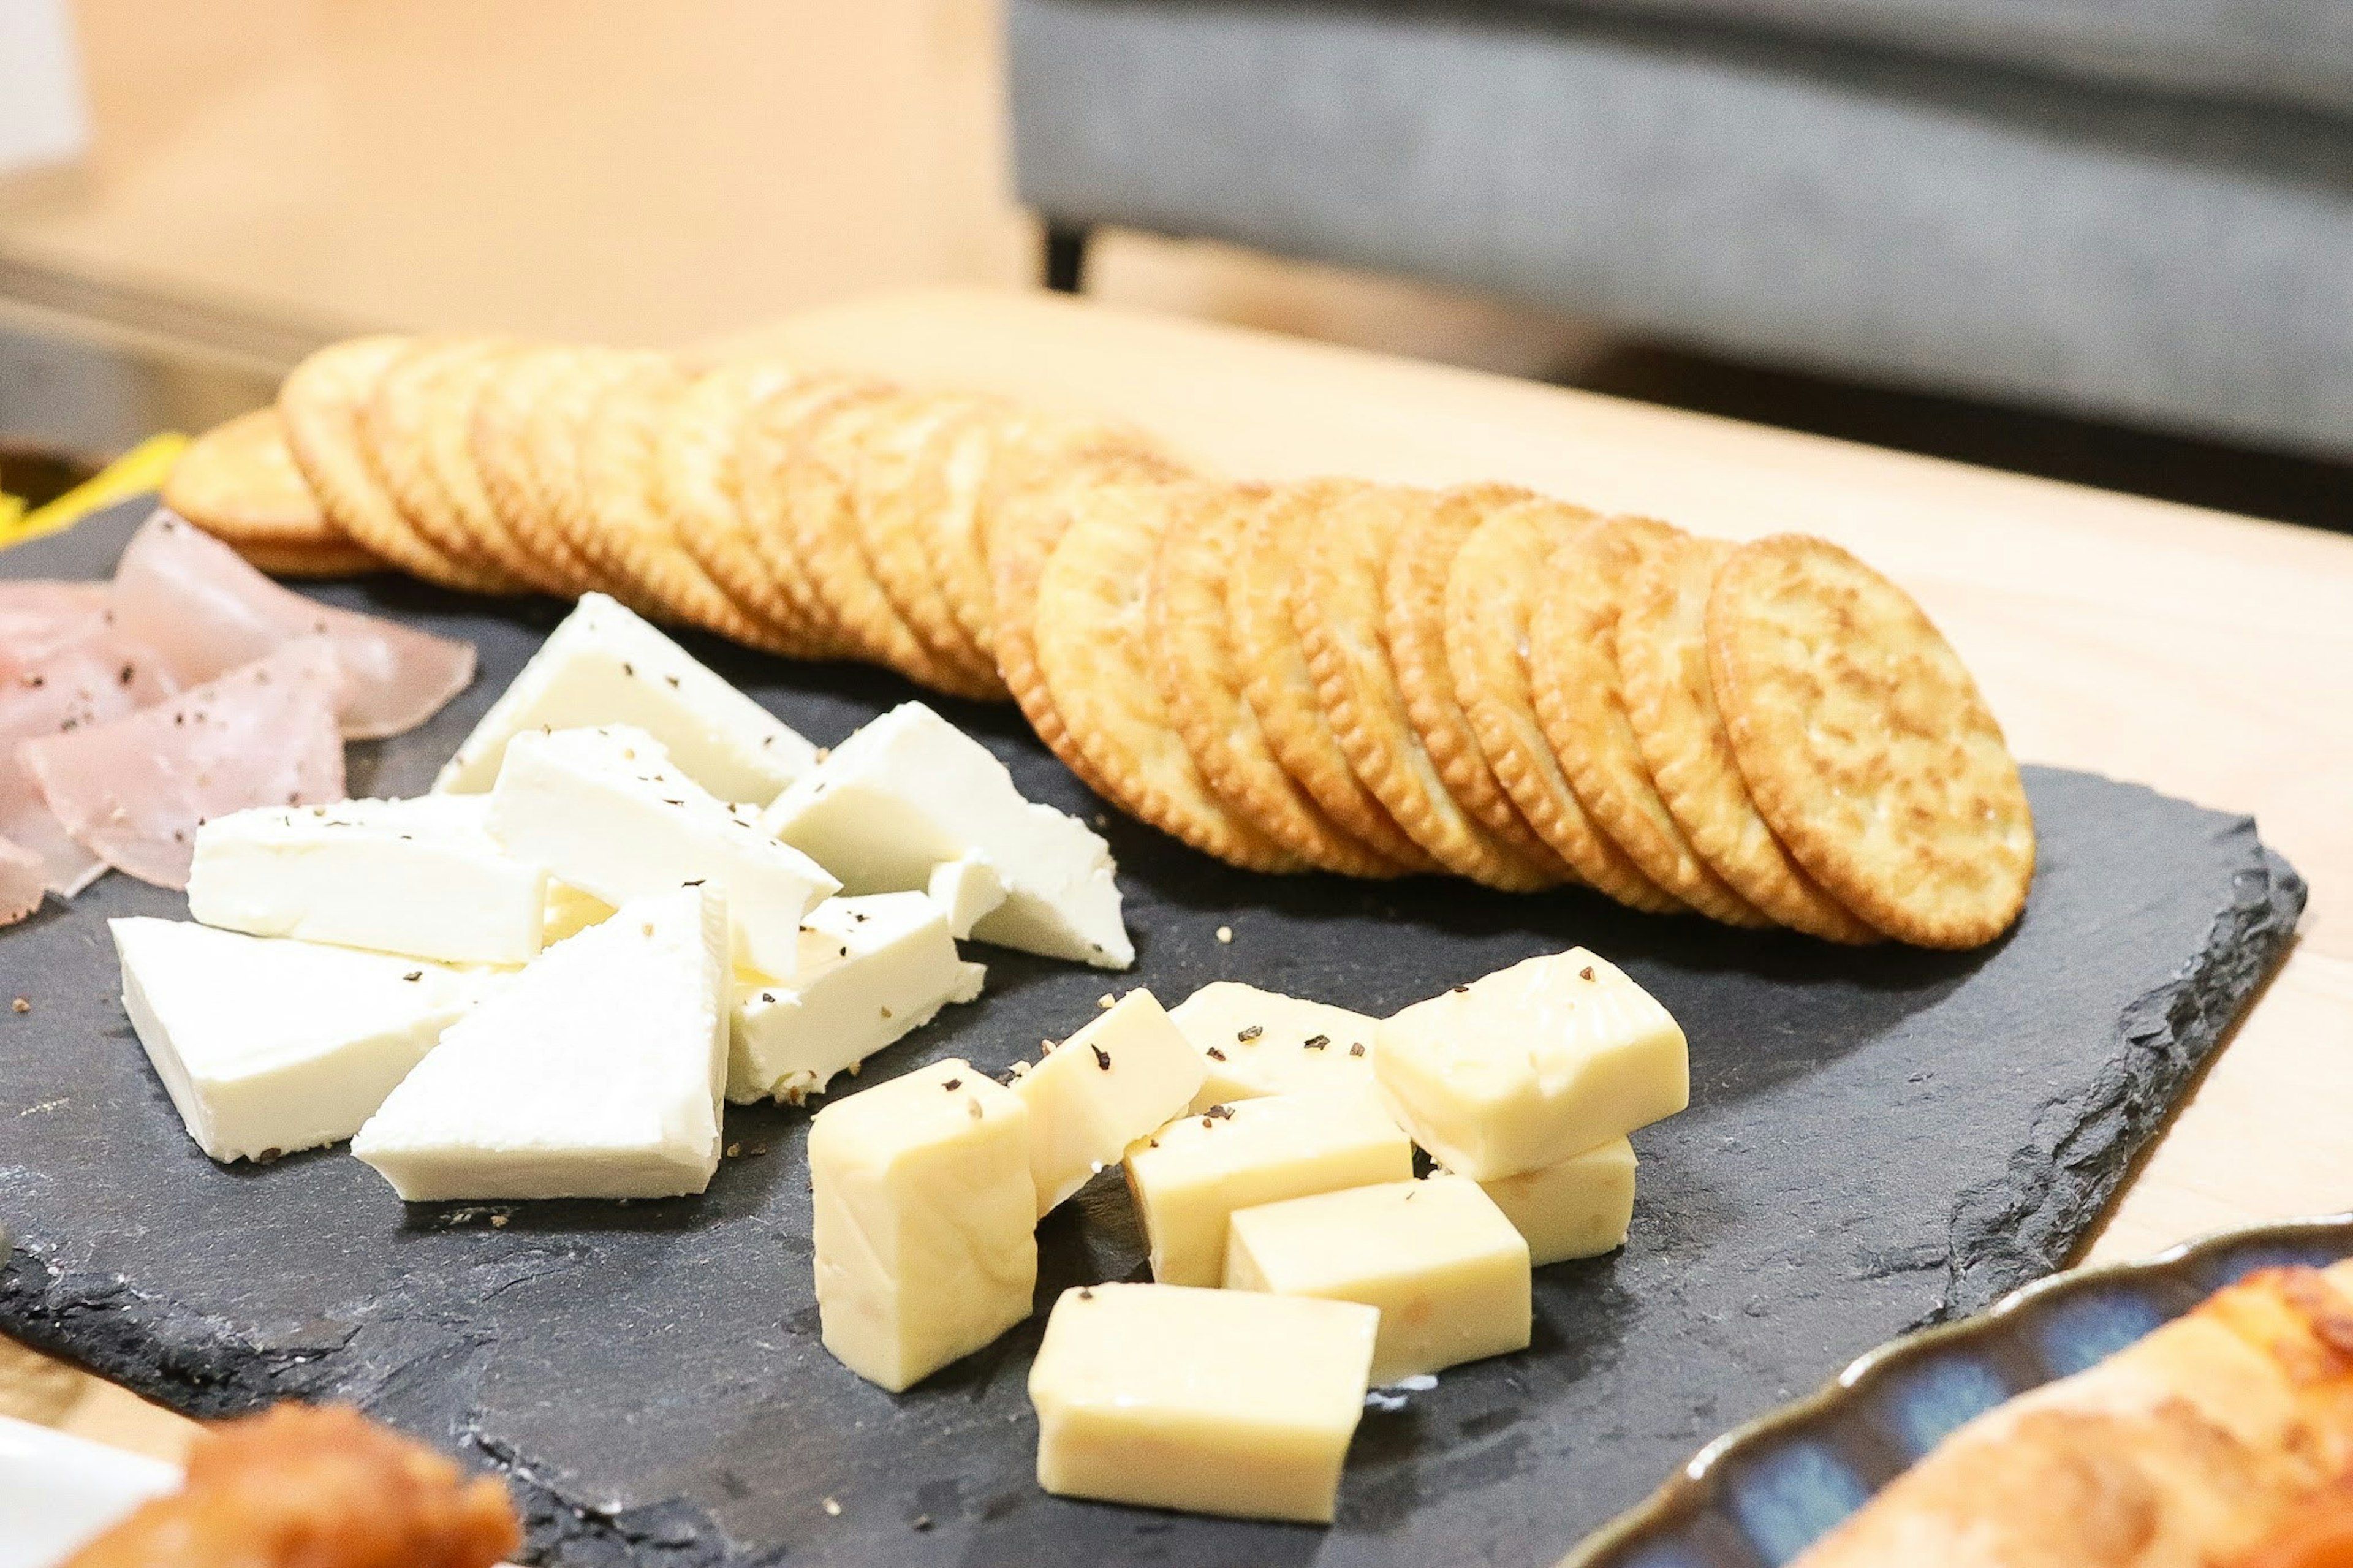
(2001, 1238)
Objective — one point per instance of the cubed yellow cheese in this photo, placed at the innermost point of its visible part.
(925, 1221)
(1256, 1042)
(1209, 1401)
(1578, 1208)
(1531, 1066)
(1192, 1173)
(1437, 1258)
(1100, 1091)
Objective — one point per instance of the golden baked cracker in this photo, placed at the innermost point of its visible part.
(895, 527)
(281, 558)
(620, 528)
(512, 529)
(1336, 606)
(1275, 677)
(740, 531)
(1492, 589)
(1573, 666)
(1669, 698)
(237, 481)
(1023, 527)
(1027, 449)
(1191, 648)
(320, 403)
(1413, 627)
(1867, 746)
(551, 445)
(819, 540)
(410, 416)
(1092, 649)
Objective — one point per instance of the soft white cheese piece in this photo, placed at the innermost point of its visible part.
(607, 666)
(1448, 1271)
(1192, 1174)
(270, 1046)
(417, 876)
(570, 911)
(871, 970)
(1211, 1401)
(911, 790)
(1530, 1065)
(604, 809)
(923, 1220)
(968, 888)
(596, 1073)
(1578, 1208)
(1100, 1091)
(1262, 1042)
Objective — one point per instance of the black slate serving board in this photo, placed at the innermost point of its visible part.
(1877, 1139)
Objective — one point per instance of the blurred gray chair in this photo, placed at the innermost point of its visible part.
(2134, 209)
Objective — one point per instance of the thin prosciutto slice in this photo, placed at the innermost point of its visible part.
(94, 680)
(20, 882)
(38, 618)
(207, 611)
(134, 792)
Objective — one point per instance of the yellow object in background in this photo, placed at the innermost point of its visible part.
(136, 472)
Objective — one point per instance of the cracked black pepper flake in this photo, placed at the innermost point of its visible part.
(1102, 1057)
(953, 1085)
(1252, 1033)
(1459, 989)
(269, 1156)
(1316, 1042)
(673, 682)
(1215, 1055)
(1217, 1113)
(859, 917)
(1357, 1049)
(413, 974)
(696, 883)
(37, 681)
(630, 670)
(1586, 973)
(130, 673)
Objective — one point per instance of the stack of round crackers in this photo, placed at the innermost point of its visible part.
(1370, 679)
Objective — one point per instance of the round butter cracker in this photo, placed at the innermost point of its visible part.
(239, 482)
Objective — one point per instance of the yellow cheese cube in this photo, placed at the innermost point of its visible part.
(925, 1220)
(1100, 1091)
(1578, 1208)
(1437, 1258)
(1204, 1400)
(1531, 1066)
(1256, 1042)
(1192, 1173)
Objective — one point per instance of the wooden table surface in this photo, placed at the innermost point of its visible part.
(2207, 655)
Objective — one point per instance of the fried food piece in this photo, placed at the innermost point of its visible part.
(298, 1487)
(1866, 744)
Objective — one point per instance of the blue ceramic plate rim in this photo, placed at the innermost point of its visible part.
(2168, 1283)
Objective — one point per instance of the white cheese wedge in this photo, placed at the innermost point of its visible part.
(1192, 1174)
(420, 877)
(1106, 1087)
(607, 666)
(1262, 1042)
(871, 971)
(1448, 1271)
(968, 888)
(604, 809)
(570, 911)
(923, 1220)
(1578, 1208)
(1531, 1066)
(596, 1073)
(1211, 1401)
(270, 1046)
(911, 790)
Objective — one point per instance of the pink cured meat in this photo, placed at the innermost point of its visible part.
(95, 681)
(38, 618)
(207, 611)
(21, 882)
(134, 792)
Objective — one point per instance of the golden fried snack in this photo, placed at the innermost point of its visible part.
(1573, 666)
(1093, 654)
(298, 1486)
(1189, 635)
(1662, 662)
(1491, 588)
(1336, 606)
(239, 482)
(1866, 744)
